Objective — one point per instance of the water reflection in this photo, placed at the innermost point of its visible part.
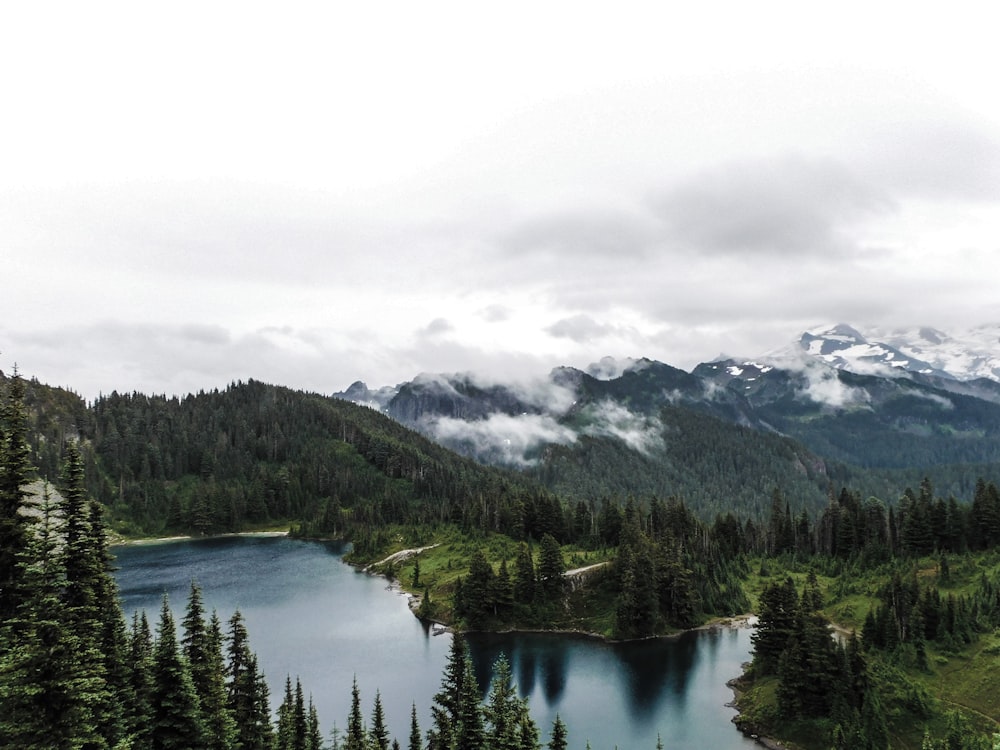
(312, 616)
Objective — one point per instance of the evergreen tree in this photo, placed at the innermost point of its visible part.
(550, 567)
(47, 695)
(415, 737)
(220, 729)
(202, 647)
(247, 696)
(314, 738)
(524, 576)
(503, 709)
(558, 739)
(378, 736)
(357, 737)
(15, 471)
(176, 722)
(139, 713)
(112, 636)
(469, 733)
(775, 625)
(285, 731)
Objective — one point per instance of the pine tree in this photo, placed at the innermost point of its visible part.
(202, 647)
(83, 554)
(445, 709)
(112, 635)
(220, 729)
(378, 736)
(357, 738)
(469, 733)
(524, 576)
(314, 738)
(247, 696)
(176, 723)
(558, 739)
(503, 709)
(139, 713)
(47, 696)
(285, 731)
(300, 721)
(775, 625)
(550, 567)
(415, 737)
(15, 470)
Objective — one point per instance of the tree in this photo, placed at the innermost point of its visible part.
(448, 707)
(503, 709)
(415, 741)
(775, 625)
(176, 721)
(357, 738)
(47, 697)
(247, 696)
(15, 470)
(139, 713)
(558, 739)
(524, 576)
(550, 567)
(378, 736)
(202, 647)
(469, 733)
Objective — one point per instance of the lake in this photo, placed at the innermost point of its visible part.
(311, 615)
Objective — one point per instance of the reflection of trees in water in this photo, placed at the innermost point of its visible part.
(553, 666)
(526, 667)
(651, 666)
(485, 649)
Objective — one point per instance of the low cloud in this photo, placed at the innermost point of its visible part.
(824, 386)
(608, 419)
(502, 438)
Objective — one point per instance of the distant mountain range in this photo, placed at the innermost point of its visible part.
(908, 400)
(965, 356)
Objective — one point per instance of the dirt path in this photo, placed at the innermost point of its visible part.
(579, 571)
(403, 554)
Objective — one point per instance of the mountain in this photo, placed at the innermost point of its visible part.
(837, 406)
(962, 356)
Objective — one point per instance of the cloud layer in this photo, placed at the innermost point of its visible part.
(315, 197)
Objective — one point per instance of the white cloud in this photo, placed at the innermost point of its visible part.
(319, 194)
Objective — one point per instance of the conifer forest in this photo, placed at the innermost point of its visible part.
(878, 619)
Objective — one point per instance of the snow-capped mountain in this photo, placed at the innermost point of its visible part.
(965, 355)
(960, 356)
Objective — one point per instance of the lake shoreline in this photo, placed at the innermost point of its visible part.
(189, 538)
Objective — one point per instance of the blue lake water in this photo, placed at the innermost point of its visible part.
(310, 615)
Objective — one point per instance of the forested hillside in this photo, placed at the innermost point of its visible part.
(255, 454)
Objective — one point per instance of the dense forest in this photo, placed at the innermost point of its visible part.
(915, 577)
(74, 674)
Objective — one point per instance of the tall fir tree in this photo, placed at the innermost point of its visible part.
(378, 735)
(48, 697)
(202, 647)
(558, 739)
(415, 736)
(503, 708)
(247, 695)
(357, 737)
(176, 722)
(15, 472)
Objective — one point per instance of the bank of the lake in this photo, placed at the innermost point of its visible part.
(311, 615)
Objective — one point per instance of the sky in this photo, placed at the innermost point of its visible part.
(193, 194)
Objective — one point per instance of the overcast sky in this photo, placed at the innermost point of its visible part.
(312, 194)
